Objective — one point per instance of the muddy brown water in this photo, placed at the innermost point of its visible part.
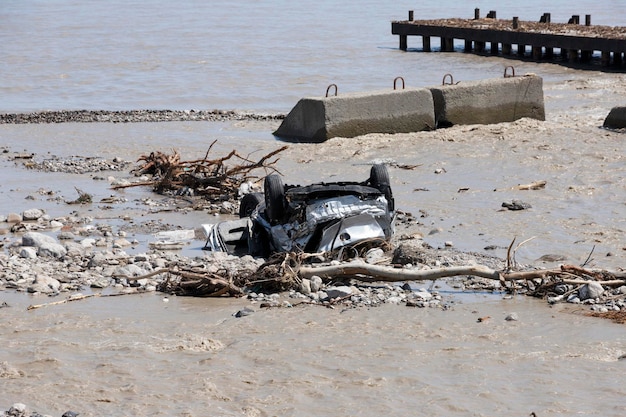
(140, 355)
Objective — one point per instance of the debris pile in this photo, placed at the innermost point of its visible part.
(214, 179)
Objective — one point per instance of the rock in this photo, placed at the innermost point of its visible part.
(374, 255)
(339, 291)
(244, 312)
(121, 243)
(44, 284)
(616, 118)
(28, 252)
(305, 286)
(591, 291)
(17, 410)
(516, 205)
(316, 283)
(511, 317)
(66, 236)
(52, 249)
(32, 214)
(55, 224)
(36, 239)
(14, 218)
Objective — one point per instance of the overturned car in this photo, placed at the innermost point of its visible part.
(313, 218)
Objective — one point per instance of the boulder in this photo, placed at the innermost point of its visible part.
(592, 291)
(45, 284)
(616, 118)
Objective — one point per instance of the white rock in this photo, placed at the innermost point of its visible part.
(54, 250)
(592, 291)
(339, 291)
(316, 283)
(28, 252)
(305, 286)
(36, 239)
(32, 214)
(44, 284)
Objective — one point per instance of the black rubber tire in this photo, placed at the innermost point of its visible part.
(249, 203)
(274, 198)
(379, 179)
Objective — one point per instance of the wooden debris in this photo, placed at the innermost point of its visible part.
(215, 179)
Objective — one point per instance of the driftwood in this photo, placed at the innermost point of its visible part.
(214, 179)
(367, 272)
(77, 298)
(200, 285)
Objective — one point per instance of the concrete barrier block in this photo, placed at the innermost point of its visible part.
(317, 119)
(616, 118)
(489, 101)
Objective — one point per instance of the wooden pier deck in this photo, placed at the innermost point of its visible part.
(544, 40)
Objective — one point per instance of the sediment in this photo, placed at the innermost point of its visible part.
(131, 116)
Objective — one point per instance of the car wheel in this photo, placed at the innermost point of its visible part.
(249, 203)
(379, 179)
(274, 198)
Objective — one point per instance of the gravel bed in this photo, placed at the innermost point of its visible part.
(131, 116)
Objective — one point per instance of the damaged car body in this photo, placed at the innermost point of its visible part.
(315, 218)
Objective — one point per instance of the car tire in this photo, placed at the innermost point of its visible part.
(274, 198)
(249, 203)
(379, 179)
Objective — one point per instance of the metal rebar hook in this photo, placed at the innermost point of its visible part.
(395, 80)
(328, 89)
(443, 82)
(506, 74)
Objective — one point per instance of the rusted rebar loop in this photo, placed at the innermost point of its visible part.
(328, 89)
(443, 82)
(395, 80)
(506, 74)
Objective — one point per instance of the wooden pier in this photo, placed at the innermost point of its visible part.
(571, 42)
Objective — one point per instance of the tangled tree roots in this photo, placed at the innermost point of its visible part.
(213, 179)
(279, 273)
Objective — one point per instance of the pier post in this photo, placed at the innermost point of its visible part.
(426, 43)
(606, 58)
(617, 58)
(468, 45)
(506, 49)
(410, 15)
(549, 53)
(494, 48)
(491, 14)
(572, 55)
(447, 44)
(587, 20)
(403, 43)
(521, 50)
(585, 56)
(479, 47)
(536, 53)
(515, 22)
(476, 14)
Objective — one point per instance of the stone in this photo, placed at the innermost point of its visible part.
(36, 239)
(32, 214)
(52, 249)
(28, 252)
(316, 283)
(374, 255)
(44, 284)
(590, 291)
(512, 317)
(339, 291)
(14, 218)
(616, 118)
(305, 286)
(17, 410)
